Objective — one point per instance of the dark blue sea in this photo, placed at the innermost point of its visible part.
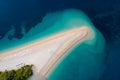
(20, 17)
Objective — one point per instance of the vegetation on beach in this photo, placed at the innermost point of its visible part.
(22, 73)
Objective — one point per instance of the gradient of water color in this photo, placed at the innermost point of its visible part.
(83, 62)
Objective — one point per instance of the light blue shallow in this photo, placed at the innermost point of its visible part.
(83, 62)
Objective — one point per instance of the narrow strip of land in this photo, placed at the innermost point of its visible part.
(43, 54)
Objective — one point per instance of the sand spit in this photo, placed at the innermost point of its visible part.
(43, 54)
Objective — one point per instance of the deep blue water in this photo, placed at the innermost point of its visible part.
(104, 14)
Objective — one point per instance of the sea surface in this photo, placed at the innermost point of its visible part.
(25, 18)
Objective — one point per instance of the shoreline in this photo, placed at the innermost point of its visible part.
(61, 53)
(8, 52)
(68, 39)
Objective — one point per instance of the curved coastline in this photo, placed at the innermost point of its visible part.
(61, 52)
(72, 33)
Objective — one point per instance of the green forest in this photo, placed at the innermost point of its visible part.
(22, 73)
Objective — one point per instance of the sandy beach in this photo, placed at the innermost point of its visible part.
(44, 54)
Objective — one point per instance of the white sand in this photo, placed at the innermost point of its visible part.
(43, 54)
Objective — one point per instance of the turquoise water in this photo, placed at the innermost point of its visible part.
(84, 62)
(52, 23)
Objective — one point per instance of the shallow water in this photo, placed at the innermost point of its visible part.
(83, 62)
